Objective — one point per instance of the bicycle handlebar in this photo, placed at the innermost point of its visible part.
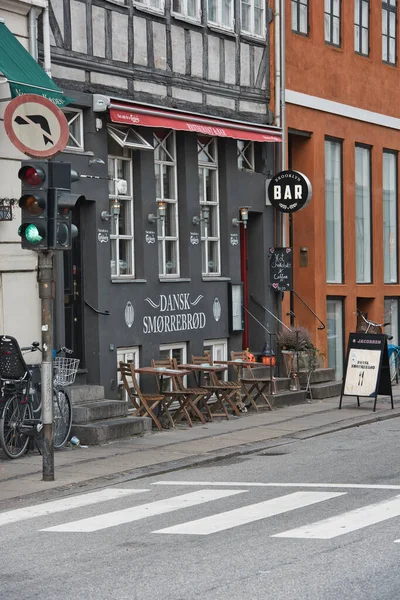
(368, 322)
(36, 346)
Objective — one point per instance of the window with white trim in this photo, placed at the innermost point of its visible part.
(122, 232)
(300, 16)
(361, 26)
(126, 355)
(151, 5)
(74, 118)
(209, 197)
(178, 351)
(335, 337)
(389, 31)
(363, 215)
(190, 9)
(220, 13)
(333, 211)
(390, 235)
(218, 350)
(167, 190)
(128, 137)
(253, 17)
(245, 154)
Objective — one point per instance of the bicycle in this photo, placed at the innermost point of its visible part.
(367, 326)
(20, 418)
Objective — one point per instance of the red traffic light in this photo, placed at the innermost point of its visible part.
(33, 176)
(33, 205)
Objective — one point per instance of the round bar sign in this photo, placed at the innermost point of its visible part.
(289, 191)
(36, 126)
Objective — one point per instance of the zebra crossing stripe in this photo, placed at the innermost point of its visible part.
(56, 506)
(250, 513)
(346, 522)
(135, 513)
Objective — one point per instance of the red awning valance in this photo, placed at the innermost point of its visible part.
(146, 116)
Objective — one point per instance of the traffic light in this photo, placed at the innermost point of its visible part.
(61, 228)
(34, 204)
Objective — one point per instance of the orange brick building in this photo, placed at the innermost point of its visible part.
(342, 90)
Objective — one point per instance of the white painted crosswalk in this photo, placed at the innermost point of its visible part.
(221, 512)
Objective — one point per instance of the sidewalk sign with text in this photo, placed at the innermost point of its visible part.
(367, 371)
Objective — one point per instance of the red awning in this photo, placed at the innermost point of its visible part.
(145, 116)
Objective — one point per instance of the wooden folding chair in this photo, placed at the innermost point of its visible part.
(223, 390)
(194, 395)
(254, 387)
(172, 395)
(144, 404)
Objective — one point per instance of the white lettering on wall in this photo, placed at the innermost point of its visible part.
(176, 320)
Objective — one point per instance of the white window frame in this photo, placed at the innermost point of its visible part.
(335, 327)
(176, 346)
(146, 6)
(331, 18)
(363, 216)
(219, 22)
(213, 205)
(115, 236)
(390, 228)
(126, 355)
(172, 207)
(253, 8)
(75, 118)
(218, 345)
(183, 13)
(245, 155)
(334, 210)
(128, 137)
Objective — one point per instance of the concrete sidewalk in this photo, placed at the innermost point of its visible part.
(160, 452)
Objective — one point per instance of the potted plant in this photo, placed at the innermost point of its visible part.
(296, 346)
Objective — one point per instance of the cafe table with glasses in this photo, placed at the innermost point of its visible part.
(160, 373)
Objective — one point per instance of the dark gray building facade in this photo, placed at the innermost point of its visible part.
(172, 134)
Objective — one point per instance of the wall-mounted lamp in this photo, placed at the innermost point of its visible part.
(244, 217)
(161, 210)
(204, 216)
(115, 209)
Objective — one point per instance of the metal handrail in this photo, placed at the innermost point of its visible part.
(268, 311)
(310, 309)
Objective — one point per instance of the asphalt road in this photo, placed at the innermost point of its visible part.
(311, 520)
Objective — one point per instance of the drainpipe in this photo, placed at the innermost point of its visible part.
(46, 41)
(283, 110)
(32, 32)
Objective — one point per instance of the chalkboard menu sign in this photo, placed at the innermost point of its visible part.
(280, 269)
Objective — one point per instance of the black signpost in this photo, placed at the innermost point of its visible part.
(367, 371)
(280, 269)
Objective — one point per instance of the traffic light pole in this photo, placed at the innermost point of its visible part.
(46, 294)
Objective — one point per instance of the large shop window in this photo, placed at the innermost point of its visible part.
(220, 13)
(335, 329)
(390, 246)
(245, 154)
(361, 26)
(167, 190)
(127, 355)
(392, 317)
(332, 22)
(300, 16)
(333, 211)
(389, 31)
(121, 236)
(363, 215)
(209, 197)
(253, 17)
(74, 118)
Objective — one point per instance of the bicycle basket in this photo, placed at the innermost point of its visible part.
(12, 364)
(65, 370)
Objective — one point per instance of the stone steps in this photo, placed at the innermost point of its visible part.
(80, 394)
(99, 410)
(287, 398)
(107, 430)
(322, 375)
(329, 389)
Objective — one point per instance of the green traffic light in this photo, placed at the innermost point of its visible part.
(30, 233)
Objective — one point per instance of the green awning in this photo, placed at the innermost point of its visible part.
(24, 74)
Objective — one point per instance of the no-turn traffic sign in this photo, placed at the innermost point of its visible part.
(36, 126)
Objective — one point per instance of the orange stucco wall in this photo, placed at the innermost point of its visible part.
(338, 74)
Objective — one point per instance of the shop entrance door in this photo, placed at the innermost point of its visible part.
(73, 296)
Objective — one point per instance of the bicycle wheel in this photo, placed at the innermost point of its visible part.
(13, 442)
(393, 366)
(62, 417)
